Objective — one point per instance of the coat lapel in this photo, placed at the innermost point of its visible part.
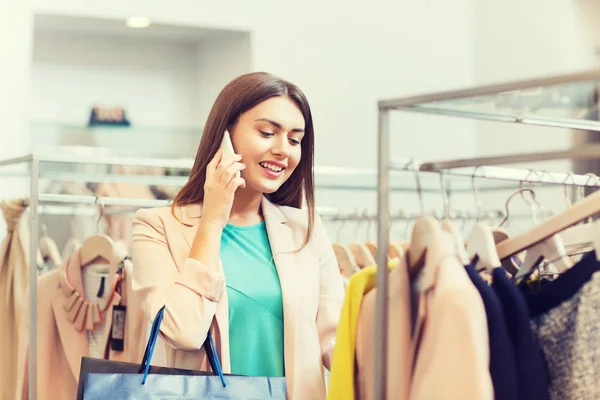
(282, 244)
(66, 303)
(190, 216)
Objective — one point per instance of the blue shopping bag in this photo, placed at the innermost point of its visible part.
(104, 379)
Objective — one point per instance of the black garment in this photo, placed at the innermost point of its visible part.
(532, 374)
(502, 352)
(564, 317)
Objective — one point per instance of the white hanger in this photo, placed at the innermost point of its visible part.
(101, 249)
(346, 261)
(48, 248)
(481, 245)
(585, 208)
(551, 248)
(425, 231)
(448, 226)
(586, 234)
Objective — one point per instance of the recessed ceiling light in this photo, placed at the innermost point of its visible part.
(138, 22)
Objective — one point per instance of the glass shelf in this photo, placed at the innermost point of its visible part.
(152, 139)
(567, 101)
(134, 129)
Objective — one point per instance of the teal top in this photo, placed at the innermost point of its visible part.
(255, 302)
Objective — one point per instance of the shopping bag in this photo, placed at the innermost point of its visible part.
(104, 379)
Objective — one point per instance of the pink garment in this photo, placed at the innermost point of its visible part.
(447, 356)
(61, 345)
(195, 300)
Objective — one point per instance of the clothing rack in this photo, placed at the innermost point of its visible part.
(36, 169)
(530, 102)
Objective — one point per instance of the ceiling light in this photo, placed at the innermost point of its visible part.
(138, 22)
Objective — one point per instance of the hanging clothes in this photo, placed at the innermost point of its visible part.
(564, 317)
(341, 382)
(450, 345)
(14, 286)
(503, 368)
(532, 373)
(399, 364)
(65, 317)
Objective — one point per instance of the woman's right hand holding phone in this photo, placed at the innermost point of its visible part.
(222, 180)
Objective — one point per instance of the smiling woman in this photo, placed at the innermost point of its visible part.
(248, 234)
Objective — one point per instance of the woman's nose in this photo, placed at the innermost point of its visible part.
(281, 148)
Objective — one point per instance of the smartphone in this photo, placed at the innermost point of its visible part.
(227, 147)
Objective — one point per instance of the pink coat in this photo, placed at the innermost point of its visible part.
(447, 355)
(195, 299)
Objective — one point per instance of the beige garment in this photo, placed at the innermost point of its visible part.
(450, 345)
(399, 331)
(195, 300)
(447, 356)
(61, 345)
(118, 227)
(14, 286)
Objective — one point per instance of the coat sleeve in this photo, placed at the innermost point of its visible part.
(331, 293)
(189, 293)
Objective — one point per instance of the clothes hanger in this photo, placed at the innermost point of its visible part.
(584, 237)
(400, 242)
(425, 231)
(580, 211)
(551, 248)
(346, 261)
(481, 247)
(359, 249)
(100, 249)
(371, 245)
(48, 248)
(448, 226)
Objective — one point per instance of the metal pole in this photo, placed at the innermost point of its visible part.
(578, 153)
(383, 225)
(33, 276)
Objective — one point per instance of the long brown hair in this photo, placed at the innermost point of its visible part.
(240, 95)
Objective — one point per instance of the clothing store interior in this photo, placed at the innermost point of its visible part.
(455, 168)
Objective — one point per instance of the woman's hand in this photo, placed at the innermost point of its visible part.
(222, 180)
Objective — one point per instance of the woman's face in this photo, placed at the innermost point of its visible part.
(268, 137)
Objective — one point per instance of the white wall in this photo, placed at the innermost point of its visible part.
(345, 59)
(15, 52)
(153, 80)
(219, 61)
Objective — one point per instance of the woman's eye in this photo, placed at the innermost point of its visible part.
(295, 142)
(267, 134)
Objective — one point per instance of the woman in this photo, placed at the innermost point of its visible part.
(237, 255)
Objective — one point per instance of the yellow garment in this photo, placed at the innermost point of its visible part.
(341, 380)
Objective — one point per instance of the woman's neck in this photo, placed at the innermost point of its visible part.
(246, 208)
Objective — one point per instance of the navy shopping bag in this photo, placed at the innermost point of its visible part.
(104, 379)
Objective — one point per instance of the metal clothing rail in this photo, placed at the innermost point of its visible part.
(36, 164)
(512, 102)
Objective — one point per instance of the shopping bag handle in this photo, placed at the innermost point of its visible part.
(209, 348)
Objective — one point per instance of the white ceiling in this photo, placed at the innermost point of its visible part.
(116, 28)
